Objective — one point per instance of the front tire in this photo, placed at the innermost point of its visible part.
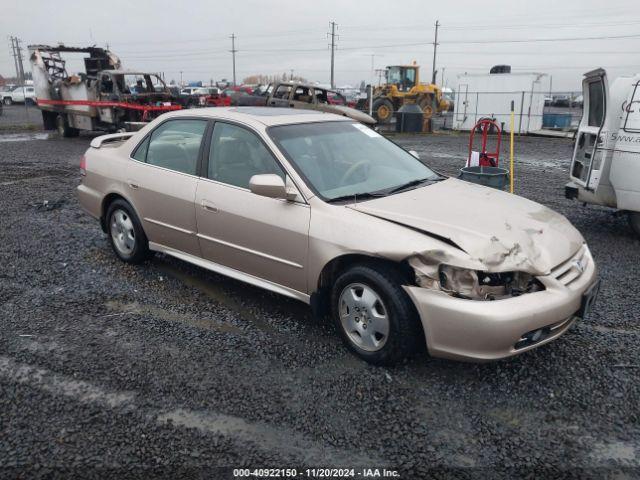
(374, 315)
(125, 232)
(8, 101)
(383, 110)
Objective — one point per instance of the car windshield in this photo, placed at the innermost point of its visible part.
(341, 159)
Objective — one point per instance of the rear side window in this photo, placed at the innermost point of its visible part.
(176, 145)
(141, 152)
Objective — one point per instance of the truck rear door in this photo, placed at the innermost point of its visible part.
(625, 164)
(586, 164)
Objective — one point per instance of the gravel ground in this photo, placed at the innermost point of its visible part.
(166, 370)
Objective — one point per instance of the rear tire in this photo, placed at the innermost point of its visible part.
(127, 238)
(49, 120)
(634, 221)
(383, 110)
(63, 127)
(375, 317)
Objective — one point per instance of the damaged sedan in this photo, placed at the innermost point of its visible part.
(320, 208)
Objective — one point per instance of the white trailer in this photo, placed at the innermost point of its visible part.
(605, 168)
(480, 96)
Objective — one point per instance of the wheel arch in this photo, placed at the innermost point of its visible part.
(107, 201)
(337, 265)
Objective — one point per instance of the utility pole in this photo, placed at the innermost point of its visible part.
(435, 48)
(181, 84)
(19, 52)
(333, 49)
(371, 86)
(15, 57)
(233, 54)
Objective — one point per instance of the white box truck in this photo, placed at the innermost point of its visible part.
(605, 168)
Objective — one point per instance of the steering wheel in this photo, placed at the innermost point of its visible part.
(352, 169)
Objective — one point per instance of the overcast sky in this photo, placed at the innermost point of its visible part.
(277, 36)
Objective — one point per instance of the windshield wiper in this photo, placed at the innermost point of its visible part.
(412, 183)
(357, 196)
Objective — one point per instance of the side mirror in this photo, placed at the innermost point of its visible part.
(270, 185)
(415, 154)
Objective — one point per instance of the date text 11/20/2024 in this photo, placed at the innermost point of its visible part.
(316, 473)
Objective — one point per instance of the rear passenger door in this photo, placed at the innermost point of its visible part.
(162, 179)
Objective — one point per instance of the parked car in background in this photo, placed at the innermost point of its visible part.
(325, 210)
(308, 97)
(561, 100)
(20, 94)
(577, 101)
(234, 93)
(189, 90)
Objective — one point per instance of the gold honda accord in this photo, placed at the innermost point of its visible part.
(323, 209)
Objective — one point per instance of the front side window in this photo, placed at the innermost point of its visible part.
(176, 145)
(341, 159)
(237, 154)
(282, 91)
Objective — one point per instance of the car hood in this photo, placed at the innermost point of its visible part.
(498, 230)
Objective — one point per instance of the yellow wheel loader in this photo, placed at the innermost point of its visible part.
(403, 86)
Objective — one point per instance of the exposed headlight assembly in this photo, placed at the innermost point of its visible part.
(478, 285)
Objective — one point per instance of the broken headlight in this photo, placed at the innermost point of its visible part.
(478, 285)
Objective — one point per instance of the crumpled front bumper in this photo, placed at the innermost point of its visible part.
(479, 331)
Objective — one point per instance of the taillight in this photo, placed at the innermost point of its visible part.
(83, 165)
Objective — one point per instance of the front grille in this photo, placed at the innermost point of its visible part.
(571, 270)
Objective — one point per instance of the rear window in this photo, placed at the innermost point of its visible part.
(596, 104)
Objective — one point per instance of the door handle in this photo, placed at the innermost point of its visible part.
(292, 105)
(209, 207)
(135, 186)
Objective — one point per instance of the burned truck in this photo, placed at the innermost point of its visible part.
(104, 97)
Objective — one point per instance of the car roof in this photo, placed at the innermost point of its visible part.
(267, 116)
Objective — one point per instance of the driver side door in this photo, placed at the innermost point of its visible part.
(260, 236)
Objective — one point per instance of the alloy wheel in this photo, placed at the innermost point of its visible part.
(122, 232)
(364, 317)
